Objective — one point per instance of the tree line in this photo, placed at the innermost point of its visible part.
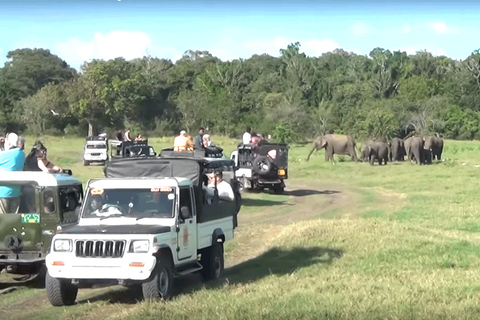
(291, 97)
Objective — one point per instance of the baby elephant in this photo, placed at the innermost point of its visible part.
(378, 151)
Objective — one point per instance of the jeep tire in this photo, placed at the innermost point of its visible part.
(86, 162)
(160, 284)
(261, 165)
(60, 292)
(212, 261)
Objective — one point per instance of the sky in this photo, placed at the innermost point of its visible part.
(82, 30)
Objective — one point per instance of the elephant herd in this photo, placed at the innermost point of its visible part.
(421, 149)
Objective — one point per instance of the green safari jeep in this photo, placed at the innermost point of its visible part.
(47, 203)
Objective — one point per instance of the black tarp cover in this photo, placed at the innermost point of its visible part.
(154, 168)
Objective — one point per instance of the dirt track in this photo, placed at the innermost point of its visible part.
(261, 218)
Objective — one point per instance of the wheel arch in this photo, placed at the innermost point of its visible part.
(218, 235)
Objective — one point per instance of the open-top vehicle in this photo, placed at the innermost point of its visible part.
(48, 203)
(263, 166)
(130, 149)
(149, 220)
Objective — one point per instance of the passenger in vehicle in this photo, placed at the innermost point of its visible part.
(225, 191)
(99, 208)
(198, 144)
(207, 142)
(127, 136)
(119, 135)
(182, 142)
(37, 160)
(247, 136)
(11, 159)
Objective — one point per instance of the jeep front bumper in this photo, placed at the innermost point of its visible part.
(130, 267)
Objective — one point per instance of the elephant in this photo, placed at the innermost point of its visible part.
(335, 144)
(414, 149)
(434, 144)
(378, 151)
(364, 156)
(397, 150)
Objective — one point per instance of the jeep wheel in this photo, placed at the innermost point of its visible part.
(160, 285)
(60, 292)
(261, 165)
(212, 261)
(86, 162)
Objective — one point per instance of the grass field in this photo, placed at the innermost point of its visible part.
(346, 241)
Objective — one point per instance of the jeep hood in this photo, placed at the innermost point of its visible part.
(121, 229)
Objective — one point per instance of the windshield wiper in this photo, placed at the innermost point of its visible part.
(146, 216)
(112, 215)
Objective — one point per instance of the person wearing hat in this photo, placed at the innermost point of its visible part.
(182, 142)
(11, 159)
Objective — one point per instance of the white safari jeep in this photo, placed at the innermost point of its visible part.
(95, 150)
(144, 230)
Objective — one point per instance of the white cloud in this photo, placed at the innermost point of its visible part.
(360, 29)
(126, 44)
(406, 28)
(442, 28)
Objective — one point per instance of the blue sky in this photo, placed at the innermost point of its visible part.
(79, 31)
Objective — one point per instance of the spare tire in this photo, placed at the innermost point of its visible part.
(261, 165)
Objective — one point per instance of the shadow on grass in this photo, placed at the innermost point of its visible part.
(261, 202)
(126, 295)
(279, 262)
(308, 192)
(273, 262)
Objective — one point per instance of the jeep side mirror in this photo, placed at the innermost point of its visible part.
(184, 212)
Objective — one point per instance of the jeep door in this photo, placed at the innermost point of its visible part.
(20, 228)
(187, 231)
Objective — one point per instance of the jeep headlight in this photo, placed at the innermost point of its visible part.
(62, 245)
(138, 246)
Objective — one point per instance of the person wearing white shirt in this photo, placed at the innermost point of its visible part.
(225, 191)
(247, 137)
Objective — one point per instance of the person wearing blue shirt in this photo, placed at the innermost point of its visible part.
(11, 159)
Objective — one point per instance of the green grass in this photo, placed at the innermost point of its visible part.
(400, 242)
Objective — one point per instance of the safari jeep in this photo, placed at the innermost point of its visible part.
(263, 166)
(95, 150)
(130, 149)
(47, 204)
(149, 220)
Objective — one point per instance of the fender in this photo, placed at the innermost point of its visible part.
(218, 234)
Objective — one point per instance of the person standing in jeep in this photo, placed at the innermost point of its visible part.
(198, 143)
(11, 159)
(247, 136)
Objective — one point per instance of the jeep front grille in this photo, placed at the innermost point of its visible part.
(95, 154)
(100, 248)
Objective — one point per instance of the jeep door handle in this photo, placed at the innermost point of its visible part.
(48, 232)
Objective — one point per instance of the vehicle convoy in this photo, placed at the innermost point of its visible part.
(150, 219)
(95, 150)
(262, 166)
(48, 203)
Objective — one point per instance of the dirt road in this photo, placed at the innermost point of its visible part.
(263, 216)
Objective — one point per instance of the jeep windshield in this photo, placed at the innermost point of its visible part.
(134, 203)
(97, 146)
